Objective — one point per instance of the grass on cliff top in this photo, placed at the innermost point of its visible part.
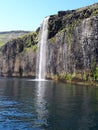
(7, 36)
(1, 43)
(29, 34)
(91, 7)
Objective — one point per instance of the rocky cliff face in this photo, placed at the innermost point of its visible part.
(18, 57)
(72, 46)
(75, 48)
(73, 41)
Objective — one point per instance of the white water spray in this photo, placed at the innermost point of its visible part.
(42, 48)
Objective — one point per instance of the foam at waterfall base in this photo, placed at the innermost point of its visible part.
(41, 80)
(38, 80)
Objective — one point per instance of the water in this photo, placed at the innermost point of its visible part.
(26, 104)
(42, 49)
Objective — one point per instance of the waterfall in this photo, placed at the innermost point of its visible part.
(42, 48)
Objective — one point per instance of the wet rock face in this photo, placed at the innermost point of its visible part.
(74, 48)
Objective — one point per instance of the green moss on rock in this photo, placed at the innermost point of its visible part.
(95, 13)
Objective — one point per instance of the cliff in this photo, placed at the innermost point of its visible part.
(18, 57)
(72, 47)
(73, 42)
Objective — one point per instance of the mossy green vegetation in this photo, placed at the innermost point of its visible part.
(31, 42)
(30, 39)
(35, 47)
(83, 78)
(95, 75)
(68, 77)
(52, 40)
(87, 77)
(1, 43)
(94, 71)
(91, 8)
(32, 48)
(24, 43)
(95, 13)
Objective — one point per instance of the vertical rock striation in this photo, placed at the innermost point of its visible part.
(74, 48)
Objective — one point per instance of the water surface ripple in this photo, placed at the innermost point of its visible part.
(26, 104)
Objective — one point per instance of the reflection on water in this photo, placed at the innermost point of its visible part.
(47, 105)
(41, 104)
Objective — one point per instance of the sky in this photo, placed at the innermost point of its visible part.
(28, 14)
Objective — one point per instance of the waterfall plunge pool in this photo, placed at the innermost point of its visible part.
(26, 104)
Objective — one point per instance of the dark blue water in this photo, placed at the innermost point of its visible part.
(47, 105)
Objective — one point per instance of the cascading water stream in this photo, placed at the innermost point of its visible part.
(42, 48)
